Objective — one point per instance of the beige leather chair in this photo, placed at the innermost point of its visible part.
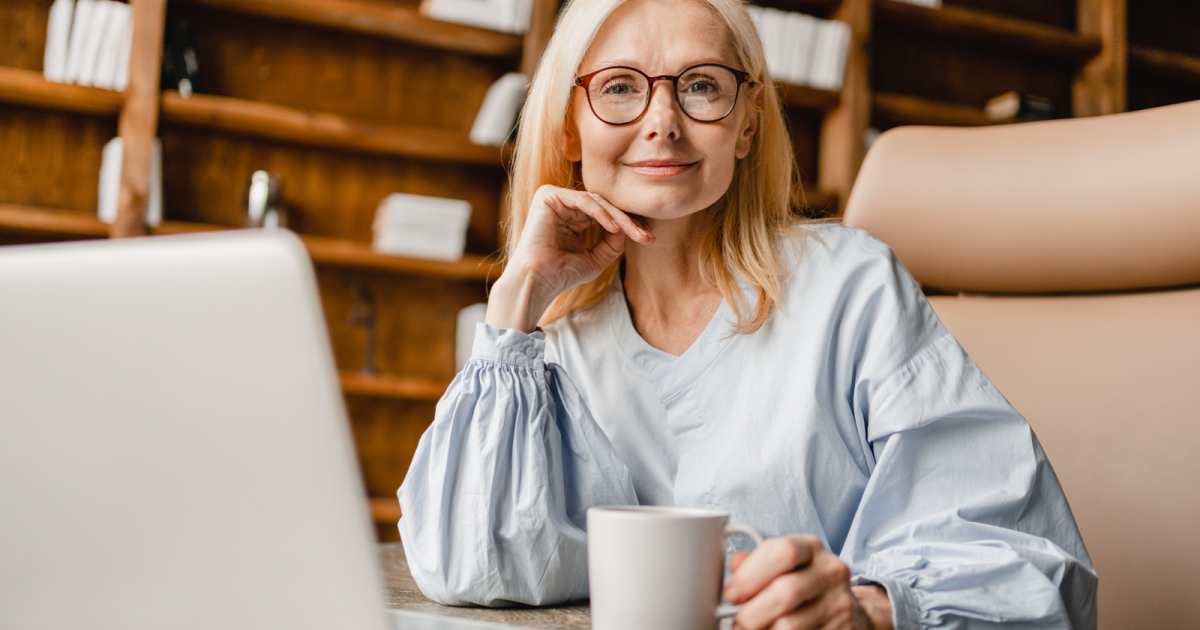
(1070, 246)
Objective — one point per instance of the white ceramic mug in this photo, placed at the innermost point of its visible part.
(658, 568)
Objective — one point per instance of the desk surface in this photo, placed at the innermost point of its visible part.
(402, 593)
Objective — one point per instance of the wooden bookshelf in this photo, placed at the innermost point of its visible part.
(383, 386)
(28, 87)
(806, 97)
(981, 27)
(378, 19)
(385, 510)
(335, 253)
(275, 122)
(1166, 64)
(893, 110)
(813, 7)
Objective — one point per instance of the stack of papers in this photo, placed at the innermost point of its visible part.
(509, 16)
(422, 227)
(801, 49)
(89, 43)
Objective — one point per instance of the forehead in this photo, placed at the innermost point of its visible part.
(659, 37)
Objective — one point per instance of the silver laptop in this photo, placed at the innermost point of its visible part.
(174, 451)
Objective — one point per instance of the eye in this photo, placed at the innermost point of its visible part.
(701, 85)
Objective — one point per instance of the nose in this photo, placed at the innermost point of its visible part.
(661, 120)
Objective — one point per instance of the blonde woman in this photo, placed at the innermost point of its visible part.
(698, 348)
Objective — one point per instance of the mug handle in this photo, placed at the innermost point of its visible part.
(727, 609)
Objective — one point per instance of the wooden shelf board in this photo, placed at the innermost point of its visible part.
(991, 28)
(382, 386)
(27, 87)
(384, 510)
(813, 7)
(894, 110)
(1165, 63)
(325, 251)
(379, 19)
(276, 122)
(805, 97)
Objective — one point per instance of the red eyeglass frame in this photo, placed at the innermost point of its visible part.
(586, 80)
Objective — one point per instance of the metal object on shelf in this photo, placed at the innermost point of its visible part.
(264, 203)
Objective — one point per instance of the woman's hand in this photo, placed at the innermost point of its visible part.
(553, 256)
(793, 583)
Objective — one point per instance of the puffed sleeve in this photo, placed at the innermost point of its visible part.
(494, 502)
(963, 520)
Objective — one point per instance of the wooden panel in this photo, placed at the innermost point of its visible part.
(50, 222)
(28, 87)
(1060, 13)
(327, 192)
(51, 159)
(906, 63)
(249, 118)
(541, 27)
(378, 19)
(23, 29)
(893, 110)
(313, 69)
(820, 8)
(982, 28)
(1146, 91)
(1100, 85)
(139, 117)
(844, 129)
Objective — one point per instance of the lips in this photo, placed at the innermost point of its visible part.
(661, 168)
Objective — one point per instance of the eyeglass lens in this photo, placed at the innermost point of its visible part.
(620, 95)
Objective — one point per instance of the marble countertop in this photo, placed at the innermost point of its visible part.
(402, 593)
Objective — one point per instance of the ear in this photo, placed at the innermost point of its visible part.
(749, 123)
(572, 148)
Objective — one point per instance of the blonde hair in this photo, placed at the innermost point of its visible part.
(743, 230)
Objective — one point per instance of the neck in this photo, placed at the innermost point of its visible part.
(662, 281)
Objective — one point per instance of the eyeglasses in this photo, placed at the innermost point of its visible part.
(621, 95)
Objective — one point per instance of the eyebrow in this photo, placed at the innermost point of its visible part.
(608, 63)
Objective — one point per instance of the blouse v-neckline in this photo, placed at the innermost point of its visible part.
(670, 374)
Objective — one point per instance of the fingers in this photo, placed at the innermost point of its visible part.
(768, 561)
(566, 203)
(809, 596)
(632, 228)
(737, 558)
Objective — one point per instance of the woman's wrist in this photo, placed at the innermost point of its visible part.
(874, 603)
(516, 302)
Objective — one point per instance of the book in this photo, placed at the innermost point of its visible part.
(93, 40)
(58, 36)
(498, 114)
(80, 23)
(801, 42)
(1016, 106)
(110, 48)
(774, 41)
(829, 58)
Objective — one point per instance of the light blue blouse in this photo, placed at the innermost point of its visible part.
(851, 415)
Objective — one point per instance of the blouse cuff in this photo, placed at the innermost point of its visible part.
(507, 345)
(905, 615)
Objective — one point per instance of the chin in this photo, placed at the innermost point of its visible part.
(663, 204)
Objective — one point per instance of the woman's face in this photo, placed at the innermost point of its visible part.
(665, 165)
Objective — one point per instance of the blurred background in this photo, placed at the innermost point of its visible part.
(313, 113)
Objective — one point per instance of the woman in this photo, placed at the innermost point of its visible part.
(698, 349)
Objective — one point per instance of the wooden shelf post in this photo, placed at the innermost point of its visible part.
(138, 125)
(844, 129)
(1099, 88)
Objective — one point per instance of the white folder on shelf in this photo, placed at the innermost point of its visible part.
(124, 52)
(93, 40)
(111, 162)
(499, 110)
(804, 34)
(829, 62)
(115, 35)
(58, 38)
(80, 24)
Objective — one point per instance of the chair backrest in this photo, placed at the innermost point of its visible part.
(1071, 245)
